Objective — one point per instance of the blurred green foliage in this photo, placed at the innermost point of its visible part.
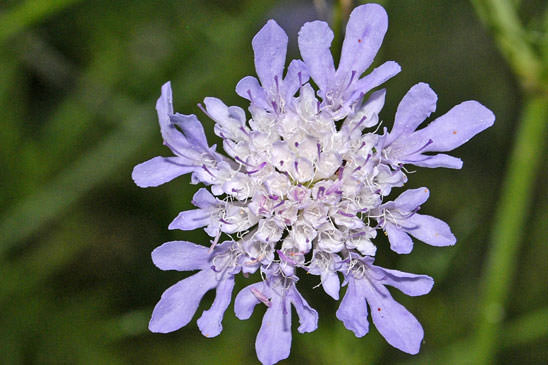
(78, 83)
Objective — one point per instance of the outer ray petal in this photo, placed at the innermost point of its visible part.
(159, 170)
(314, 41)
(179, 302)
(270, 46)
(353, 310)
(365, 31)
(210, 323)
(395, 323)
(180, 256)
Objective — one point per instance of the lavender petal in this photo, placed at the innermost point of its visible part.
(159, 170)
(180, 301)
(180, 256)
(210, 323)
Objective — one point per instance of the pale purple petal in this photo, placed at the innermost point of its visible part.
(353, 310)
(180, 301)
(246, 301)
(410, 199)
(193, 131)
(395, 323)
(314, 41)
(229, 117)
(400, 242)
(210, 323)
(430, 230)
(270, 46)
(296, 76)
(456, 127)
(308, 317)
(378, 76)
(159, 170)
(189, 220)
(204, 199)
(439, 160)
(273, 341)
(331, 284)
(364, 34)
(249, 88)
(181, 256)
(164, 108)
(410, 284)
(414, 108)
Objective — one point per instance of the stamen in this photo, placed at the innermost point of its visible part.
(214, 242)
(205, 111)
(207, 170)
(285, 258)
(345, 214)
(261, 297)
(261, 166)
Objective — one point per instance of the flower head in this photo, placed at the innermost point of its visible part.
(304, 186)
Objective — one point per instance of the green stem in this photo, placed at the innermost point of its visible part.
(510, 219)
(502, 19)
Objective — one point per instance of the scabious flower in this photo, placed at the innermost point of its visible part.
(305, 186)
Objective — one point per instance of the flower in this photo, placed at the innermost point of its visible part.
(366, 284)
(405, 145)
(179, 303)
(304, 186)
(277, 292)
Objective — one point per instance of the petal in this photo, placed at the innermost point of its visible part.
(164, 108)
(410, 284)
(231, 119)
(331, 284)
(439, 160)
(295, 77)
(353, 310)
(204, 199)
(246, 301)
(210, 323)
(430, 230)
(364, 34)
(414, 108)
(400, 242)
(189, 220)
(378, 76)
(395, 323)
(159, 170)
(410, 199)
(192, 129)
(249, 88)
(180, 301)
(181, 256)
(456, 127)
(273, 341)
(314, 41)
(308, 317)
(270, 47)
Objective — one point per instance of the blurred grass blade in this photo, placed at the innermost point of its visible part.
(526, 329)
(509, 223)
(502, 18)
(27, 13)
(37, 210)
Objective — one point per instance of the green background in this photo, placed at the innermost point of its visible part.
(78, 84)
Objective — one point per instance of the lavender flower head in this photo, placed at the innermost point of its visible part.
(304, 186)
